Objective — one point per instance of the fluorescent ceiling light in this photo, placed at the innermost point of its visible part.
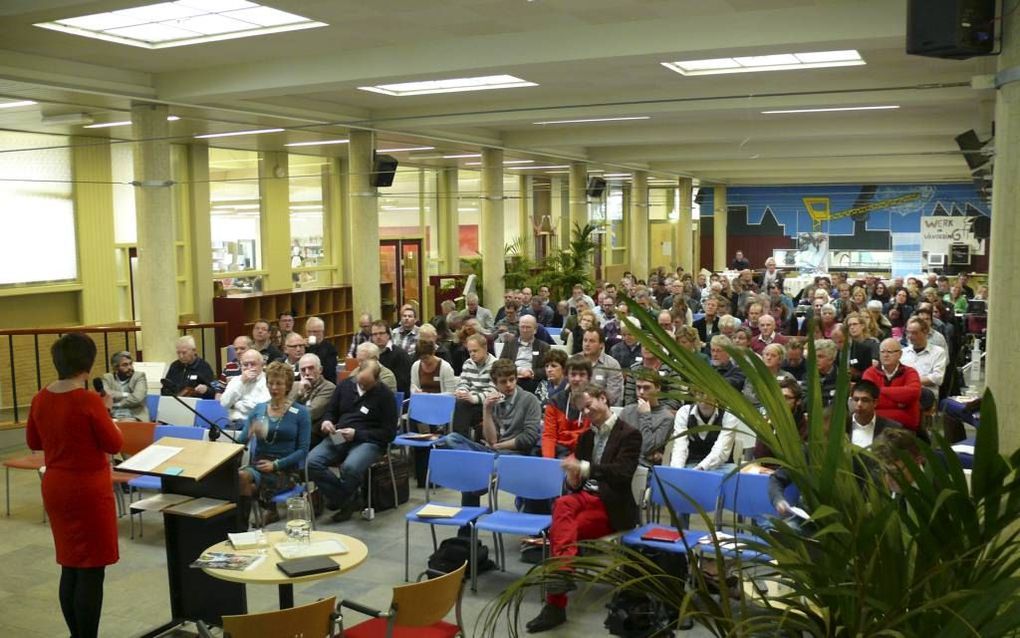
(169, 118)
(13, 105)
(399, 208)
(318, 143)
(538, 168)
(405, 150)
(753, 63)
(236, 133)
(457, 85)
(834, 108)
(505, 162)
(180, 23)
(462, 156)
(597, 119)
(616, 175)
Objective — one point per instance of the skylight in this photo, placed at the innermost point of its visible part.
(183, 22)
(755, 63)
(457, 85)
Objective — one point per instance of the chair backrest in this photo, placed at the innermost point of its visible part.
(178, 432)
(212, 410)
(461, 470)
(172, 411)
(680, 485)
(350, 364)
(638, 485)
(533, 477)
(311, 620)
(554, 332)
(429, 601)
(152, 403)
(399, 397)
(747, 495)
(137, 435)
(431, 409)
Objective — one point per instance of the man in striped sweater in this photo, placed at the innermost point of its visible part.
(475, 383)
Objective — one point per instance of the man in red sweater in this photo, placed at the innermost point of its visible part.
(564, 421)
(899, 386)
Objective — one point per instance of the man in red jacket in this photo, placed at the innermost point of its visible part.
(899, 386)
(564, 421)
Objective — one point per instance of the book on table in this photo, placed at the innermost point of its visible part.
(438, 511)
(662, 534)
(307, 566)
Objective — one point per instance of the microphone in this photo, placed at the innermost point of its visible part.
(97, 385)
(169, 385)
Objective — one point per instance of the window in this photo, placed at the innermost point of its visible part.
(39, 242)
(309, 248)
(400, 205)
(469, 204)
(234, 210)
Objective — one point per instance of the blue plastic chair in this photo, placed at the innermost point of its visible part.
(214, 411)
(155, 483)
(554, 333)
(280, 497)
(529, 477)
(434, 410)
(152, 403)
(675, 486)
(747, 497)
(369, 511)
(458, 470)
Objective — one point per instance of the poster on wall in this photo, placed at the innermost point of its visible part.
(939, 233)
(812, 253)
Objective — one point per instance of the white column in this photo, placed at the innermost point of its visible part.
(684, 239)
(493, 265)
(719, 224)
(639, 236)
(362, 245)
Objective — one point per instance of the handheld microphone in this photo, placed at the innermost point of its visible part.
(97, 385)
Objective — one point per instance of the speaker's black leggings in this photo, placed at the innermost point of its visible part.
(81, 599)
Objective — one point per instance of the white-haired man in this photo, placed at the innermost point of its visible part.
(189, 375)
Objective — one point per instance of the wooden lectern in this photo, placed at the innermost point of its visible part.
(206, 469)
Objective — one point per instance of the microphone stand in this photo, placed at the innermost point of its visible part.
(214, 430)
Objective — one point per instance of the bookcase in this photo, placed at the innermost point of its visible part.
(333, 305)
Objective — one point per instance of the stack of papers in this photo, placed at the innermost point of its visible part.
(159, 502)
(960, 448)
(329, 547)
(197, 507)
(246, 540)
(150, 458)
(438, 511)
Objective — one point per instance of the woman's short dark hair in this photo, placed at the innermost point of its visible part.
(73, 354)
(557, 356)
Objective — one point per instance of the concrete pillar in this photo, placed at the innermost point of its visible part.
(93, 207)
(363, 241)
(448, 220)
(719, 223)
(683, 242)
(157, 261)
(639, 263)
(559, 209)
(201, 232)
(491, 231)
(524, 216)
(333, 218)
(577, 183)
(342, 216)
(274, 197)
(1004, 292)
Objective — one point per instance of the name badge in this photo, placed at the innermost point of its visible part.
(293, 410)
(600, 377)
(853, 361)
(663, 373)
(436, 379)
(193, 377)
(364, 410)
(530, 354)
(638, 359)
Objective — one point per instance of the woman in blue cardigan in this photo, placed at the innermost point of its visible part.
(281, 431)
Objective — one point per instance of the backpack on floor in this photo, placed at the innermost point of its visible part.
(637, 615)
(454, 552)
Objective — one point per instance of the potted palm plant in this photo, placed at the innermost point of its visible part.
(939, 558)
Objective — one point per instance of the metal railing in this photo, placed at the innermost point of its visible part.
(24, 354)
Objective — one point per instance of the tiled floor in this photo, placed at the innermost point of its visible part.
(136, 597)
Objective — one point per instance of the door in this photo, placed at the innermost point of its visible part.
(400, 276)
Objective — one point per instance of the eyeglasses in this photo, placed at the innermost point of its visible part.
(379, 334)
(294, 345)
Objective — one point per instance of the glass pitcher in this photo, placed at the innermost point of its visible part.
(299, 519)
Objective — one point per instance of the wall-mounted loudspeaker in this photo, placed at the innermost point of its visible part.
(383, 169)
(596, 186)
(982, 227)
(956, 29)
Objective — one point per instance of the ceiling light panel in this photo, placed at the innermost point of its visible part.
(833, 109)
(318, 143)
(181, 23)
(598, 119)
(237, 133)
(14, 105)
(405, 150)
(456, 85)
(755, 63)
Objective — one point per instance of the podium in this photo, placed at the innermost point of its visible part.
(200, 469)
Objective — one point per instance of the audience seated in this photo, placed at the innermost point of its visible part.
(364, 334)
(359, 424)
(703, 450)
(312, 390)
(127, 387)
(627, 351)
(474, 385)
(864, 424)
(189, 375)
(370, 352)
(555, 380)
(392, 357)
(899, 386)
(767, 334)
(486, 322)
(724, 365)
(653, 419)
(262, 341)
(605, 369)
(405, 334)
(430, 373)
(564, 420)
(294, 348)
(527, 353)
(246, 390)
(315, 329)
(233, 367)
(927, 358)
(708, 326)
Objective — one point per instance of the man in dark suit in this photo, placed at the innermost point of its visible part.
(865, 425)
(599, 500)
(527, 352)
(392, 356)
(708, 325)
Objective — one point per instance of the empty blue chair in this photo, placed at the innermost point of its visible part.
(155, 483)
(212, 409)
(458, 470)
(747, 497)
(152, 403)
(528, 477)
(677, 487)
(434, 410)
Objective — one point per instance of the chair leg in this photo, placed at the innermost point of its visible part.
(7, 484)
(474, 557)
(435, 543)
(499, 548)
(393, 482)
(407, 550)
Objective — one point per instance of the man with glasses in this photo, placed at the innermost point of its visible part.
(899, 386)
(363, 335)
(315, 328)
(313, 391)
(294, 349)
(247, 390)
(392, 356)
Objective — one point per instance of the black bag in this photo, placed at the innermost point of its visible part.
(381, 486)
(454, 552)
(637, 615)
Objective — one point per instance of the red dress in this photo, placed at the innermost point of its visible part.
(76, 434)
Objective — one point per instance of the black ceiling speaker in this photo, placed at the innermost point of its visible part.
(982, 227)
(383, 169)
(699, 199)
(972, 149)
(596, 186)
(955, 29)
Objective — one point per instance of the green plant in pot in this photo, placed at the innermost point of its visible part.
(935, 557)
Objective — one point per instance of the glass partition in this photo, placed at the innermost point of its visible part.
(235, 218)
(309, 249)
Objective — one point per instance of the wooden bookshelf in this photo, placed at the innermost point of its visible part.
(333, 305)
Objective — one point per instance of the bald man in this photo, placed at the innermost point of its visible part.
(899, 386)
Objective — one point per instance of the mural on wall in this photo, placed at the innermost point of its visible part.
(859, 220)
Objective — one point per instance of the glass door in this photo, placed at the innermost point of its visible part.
(400, 276)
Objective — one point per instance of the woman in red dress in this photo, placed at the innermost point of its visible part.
(72, 426)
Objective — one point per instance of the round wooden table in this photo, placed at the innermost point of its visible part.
(266, 572)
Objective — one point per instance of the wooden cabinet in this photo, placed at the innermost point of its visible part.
(332, 305)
